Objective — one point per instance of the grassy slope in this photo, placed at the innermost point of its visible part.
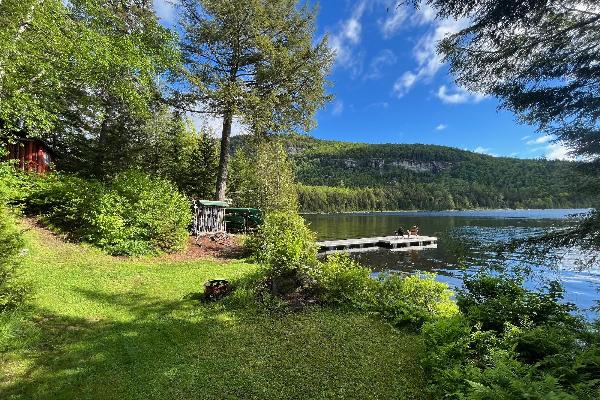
(120, 329)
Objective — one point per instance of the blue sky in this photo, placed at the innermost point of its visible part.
(391, 87)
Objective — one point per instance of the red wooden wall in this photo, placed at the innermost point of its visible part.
(33, 156)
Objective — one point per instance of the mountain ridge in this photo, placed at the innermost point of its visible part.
(346, 176)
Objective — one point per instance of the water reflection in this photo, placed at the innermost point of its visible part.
(464, 230)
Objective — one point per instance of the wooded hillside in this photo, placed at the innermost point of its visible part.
(343, 176)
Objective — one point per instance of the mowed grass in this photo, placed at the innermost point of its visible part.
(108, 328)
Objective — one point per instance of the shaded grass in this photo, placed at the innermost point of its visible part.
(106, 328)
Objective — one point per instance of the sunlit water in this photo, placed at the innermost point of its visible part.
(582, 287)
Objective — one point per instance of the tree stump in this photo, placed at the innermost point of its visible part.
(216, 289)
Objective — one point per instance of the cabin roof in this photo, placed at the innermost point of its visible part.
(22, 137)
(213, 203)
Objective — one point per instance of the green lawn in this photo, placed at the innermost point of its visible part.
(108, 328)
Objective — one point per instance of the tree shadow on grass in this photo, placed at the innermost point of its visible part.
(156, 349)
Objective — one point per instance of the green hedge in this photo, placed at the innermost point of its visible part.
(11, 241)
(134, 214)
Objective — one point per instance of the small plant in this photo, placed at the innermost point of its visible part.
(413, 300)
(287, 247)
(343, 281)
(494, 300)
(511, 343)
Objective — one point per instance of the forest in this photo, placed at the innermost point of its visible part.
(340, 176)
(104, 294)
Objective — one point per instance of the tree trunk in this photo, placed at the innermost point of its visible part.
(224, 158)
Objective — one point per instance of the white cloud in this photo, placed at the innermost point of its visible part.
(166, 10)
(539, 140)
(429, 62)
(424, 15)
(557, 151)
(484, 150)
(551, 150)
(338, 107)
(459, 95)
(381, 104)
(402, 15)
(344, 40)
(385, 58)
(441, 127)
(404, 83)
(397, 16)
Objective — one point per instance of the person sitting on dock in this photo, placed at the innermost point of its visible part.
(414, 231)
(401, 231)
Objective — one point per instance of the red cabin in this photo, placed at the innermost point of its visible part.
(33, 154)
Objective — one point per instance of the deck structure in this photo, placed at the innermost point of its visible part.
(393, 243)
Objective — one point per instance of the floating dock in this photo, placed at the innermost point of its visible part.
(393, 243)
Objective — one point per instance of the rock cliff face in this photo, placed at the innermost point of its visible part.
(382, 163)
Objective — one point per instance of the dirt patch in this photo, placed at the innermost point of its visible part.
(47, 235)
(220, 246)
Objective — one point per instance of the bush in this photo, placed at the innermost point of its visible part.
(285, 244)
(160, 214)
(512, 343)
(11, 242)
(342, 281)
(447, 344)
(494, 301)
(134, 214)
(10, 182)
(413, 300)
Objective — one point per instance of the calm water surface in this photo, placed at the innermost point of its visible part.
(452, 227)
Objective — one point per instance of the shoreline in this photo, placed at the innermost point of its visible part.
(439, 211)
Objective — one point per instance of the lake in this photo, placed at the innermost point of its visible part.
(582, 287)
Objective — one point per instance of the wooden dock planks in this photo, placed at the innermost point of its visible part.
(394, 243)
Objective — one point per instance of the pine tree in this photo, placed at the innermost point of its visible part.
(253, 60)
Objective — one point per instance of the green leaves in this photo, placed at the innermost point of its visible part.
(261, 177)
(285, 244)
(253, 60)
(540, 58)
(60, 60)
(133, 215)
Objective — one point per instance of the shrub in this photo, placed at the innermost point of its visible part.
(447, 343)
(413, 300)
(494, 301)
(11, 242)
(512, 343)
(10, 182)
(134, 214)
(159, 213)
(546, 342)
(342, 281)
(285, 244)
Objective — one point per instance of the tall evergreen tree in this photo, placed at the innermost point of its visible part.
(254, 60)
